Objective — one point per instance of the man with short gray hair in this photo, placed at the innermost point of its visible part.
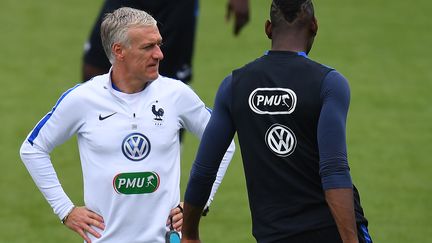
(127, 122)
(115, 26)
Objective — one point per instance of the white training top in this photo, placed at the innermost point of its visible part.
(129, 149)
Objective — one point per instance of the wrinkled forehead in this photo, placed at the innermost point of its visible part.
(144, 34)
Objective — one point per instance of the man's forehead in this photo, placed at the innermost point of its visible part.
(145, 33)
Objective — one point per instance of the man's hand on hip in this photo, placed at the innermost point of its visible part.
(81, 220)
(176, 217)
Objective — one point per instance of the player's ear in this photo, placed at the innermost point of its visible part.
(314, 26)
(268, 29)
(117, 50)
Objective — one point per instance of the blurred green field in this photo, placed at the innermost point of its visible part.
(382, 47)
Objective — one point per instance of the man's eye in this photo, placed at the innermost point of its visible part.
(148, 47)
(151, 46)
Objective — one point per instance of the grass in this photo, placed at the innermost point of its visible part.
(380, 46)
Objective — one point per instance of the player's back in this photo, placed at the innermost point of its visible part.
(275, 107)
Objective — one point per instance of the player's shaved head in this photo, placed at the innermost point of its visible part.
(289, 14)
(292, 25)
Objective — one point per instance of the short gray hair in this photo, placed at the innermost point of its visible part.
(115, 26)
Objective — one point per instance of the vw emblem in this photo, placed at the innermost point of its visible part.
(136, 146)
(281, 140)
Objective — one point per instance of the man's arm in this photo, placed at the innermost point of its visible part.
(56, 127)
(341, 205)
(217, 136)
(334, 169)
(191, 219)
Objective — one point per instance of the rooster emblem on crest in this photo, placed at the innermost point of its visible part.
(158, 113)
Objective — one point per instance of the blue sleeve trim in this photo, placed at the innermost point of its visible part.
(39, 126)
(366, 234)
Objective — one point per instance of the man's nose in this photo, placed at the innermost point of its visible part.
(157, 54)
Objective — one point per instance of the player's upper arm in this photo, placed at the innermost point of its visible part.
(193, 113)
(334, 169)
(60, 123)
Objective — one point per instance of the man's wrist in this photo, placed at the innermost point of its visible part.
(67, 215)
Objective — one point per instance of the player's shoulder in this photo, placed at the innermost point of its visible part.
(335, 78)
(257, 63)
(178, 92)
(335, 73)
(83, 91)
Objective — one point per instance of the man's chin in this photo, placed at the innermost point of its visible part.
(154, 76)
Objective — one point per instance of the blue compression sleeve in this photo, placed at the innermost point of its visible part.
(214, 143)
(334, 169)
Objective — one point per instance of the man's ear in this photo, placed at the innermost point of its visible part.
(268, 29)
(314, 27)
(117, 50)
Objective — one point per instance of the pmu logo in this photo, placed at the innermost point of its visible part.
(281, 140)
(136, 146)
(136, 182)
(272, 101)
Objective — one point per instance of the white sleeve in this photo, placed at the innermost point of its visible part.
(226, 160)
(55, 128)
(195, 120)
(39, 165)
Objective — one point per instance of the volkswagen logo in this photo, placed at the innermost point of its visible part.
(281, 140)
(136, 147)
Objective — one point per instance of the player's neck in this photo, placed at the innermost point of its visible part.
(126, 84)
(300, 47)
(295, 42)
